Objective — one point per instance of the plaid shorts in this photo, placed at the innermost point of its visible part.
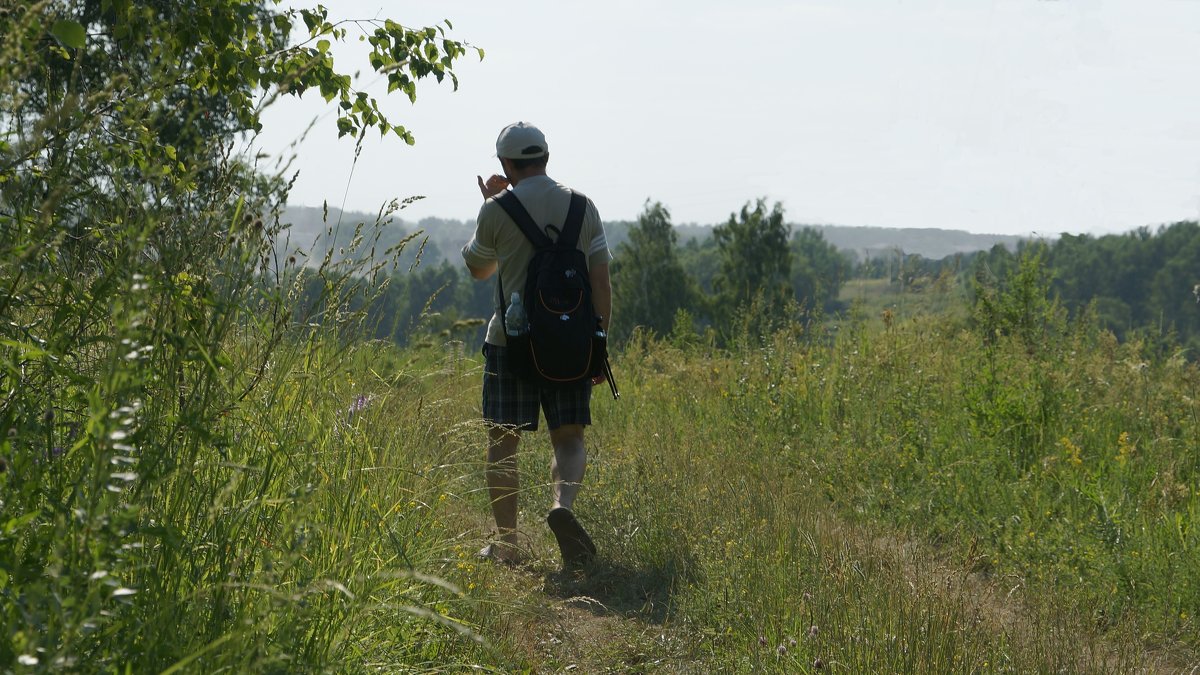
(509, 400)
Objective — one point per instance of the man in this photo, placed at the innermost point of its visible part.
(510, 404)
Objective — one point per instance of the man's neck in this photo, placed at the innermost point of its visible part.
(518, 176)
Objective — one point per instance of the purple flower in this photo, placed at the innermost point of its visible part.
(360, 403)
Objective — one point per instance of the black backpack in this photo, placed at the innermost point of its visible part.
(565, 345)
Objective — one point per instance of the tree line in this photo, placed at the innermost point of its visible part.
(754, 274)
(1144, 284)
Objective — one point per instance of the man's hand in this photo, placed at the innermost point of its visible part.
(493, 186)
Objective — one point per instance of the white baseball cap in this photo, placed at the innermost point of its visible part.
(521, 140)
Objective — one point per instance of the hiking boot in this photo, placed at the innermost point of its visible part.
(574, 543)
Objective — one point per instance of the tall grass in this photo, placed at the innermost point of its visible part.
(915, 494)
(198, 469)
(260, 493)
(878, 485)
(200, 475)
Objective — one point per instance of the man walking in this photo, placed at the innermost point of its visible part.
(512, 404)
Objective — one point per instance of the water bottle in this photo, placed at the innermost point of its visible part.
(515, 320)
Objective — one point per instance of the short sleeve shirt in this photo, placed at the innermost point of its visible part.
(497, 238)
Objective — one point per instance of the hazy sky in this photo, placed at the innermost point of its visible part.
(993, 116)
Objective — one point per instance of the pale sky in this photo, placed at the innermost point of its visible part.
(991, 116)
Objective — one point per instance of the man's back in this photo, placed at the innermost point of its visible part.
(497, 237)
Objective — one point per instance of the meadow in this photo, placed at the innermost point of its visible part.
(908, 492)
(908, 496)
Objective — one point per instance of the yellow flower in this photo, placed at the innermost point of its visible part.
(1072, 451)
(1125, 449)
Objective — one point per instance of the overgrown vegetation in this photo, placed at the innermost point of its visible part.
(1002, 491)
(1008, 492)
(177, 455)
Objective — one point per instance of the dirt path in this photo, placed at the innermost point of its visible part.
(607, 620)
(614, 619)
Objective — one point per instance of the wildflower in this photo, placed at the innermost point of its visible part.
(781, 650)
(360, 403)
(1125, 449)
(812, 631)
(818, 663)
(1072, 451)
(762, 641)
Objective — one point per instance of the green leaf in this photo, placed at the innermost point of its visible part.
(322, 46)
(69, 33)
(20, 522)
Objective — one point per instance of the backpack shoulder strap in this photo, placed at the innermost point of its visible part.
(574, 225)
(516, 210)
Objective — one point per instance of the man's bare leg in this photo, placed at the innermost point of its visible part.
(567, 468)
(503, 486)
(568, 465)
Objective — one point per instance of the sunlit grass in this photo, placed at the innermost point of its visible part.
(912, 494)
(732, 466)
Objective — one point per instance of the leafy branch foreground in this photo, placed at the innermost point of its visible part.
(164, 424)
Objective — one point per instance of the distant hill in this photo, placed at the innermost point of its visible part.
(932, 243)
(445, 237)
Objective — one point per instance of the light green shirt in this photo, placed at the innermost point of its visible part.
(497, 238)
